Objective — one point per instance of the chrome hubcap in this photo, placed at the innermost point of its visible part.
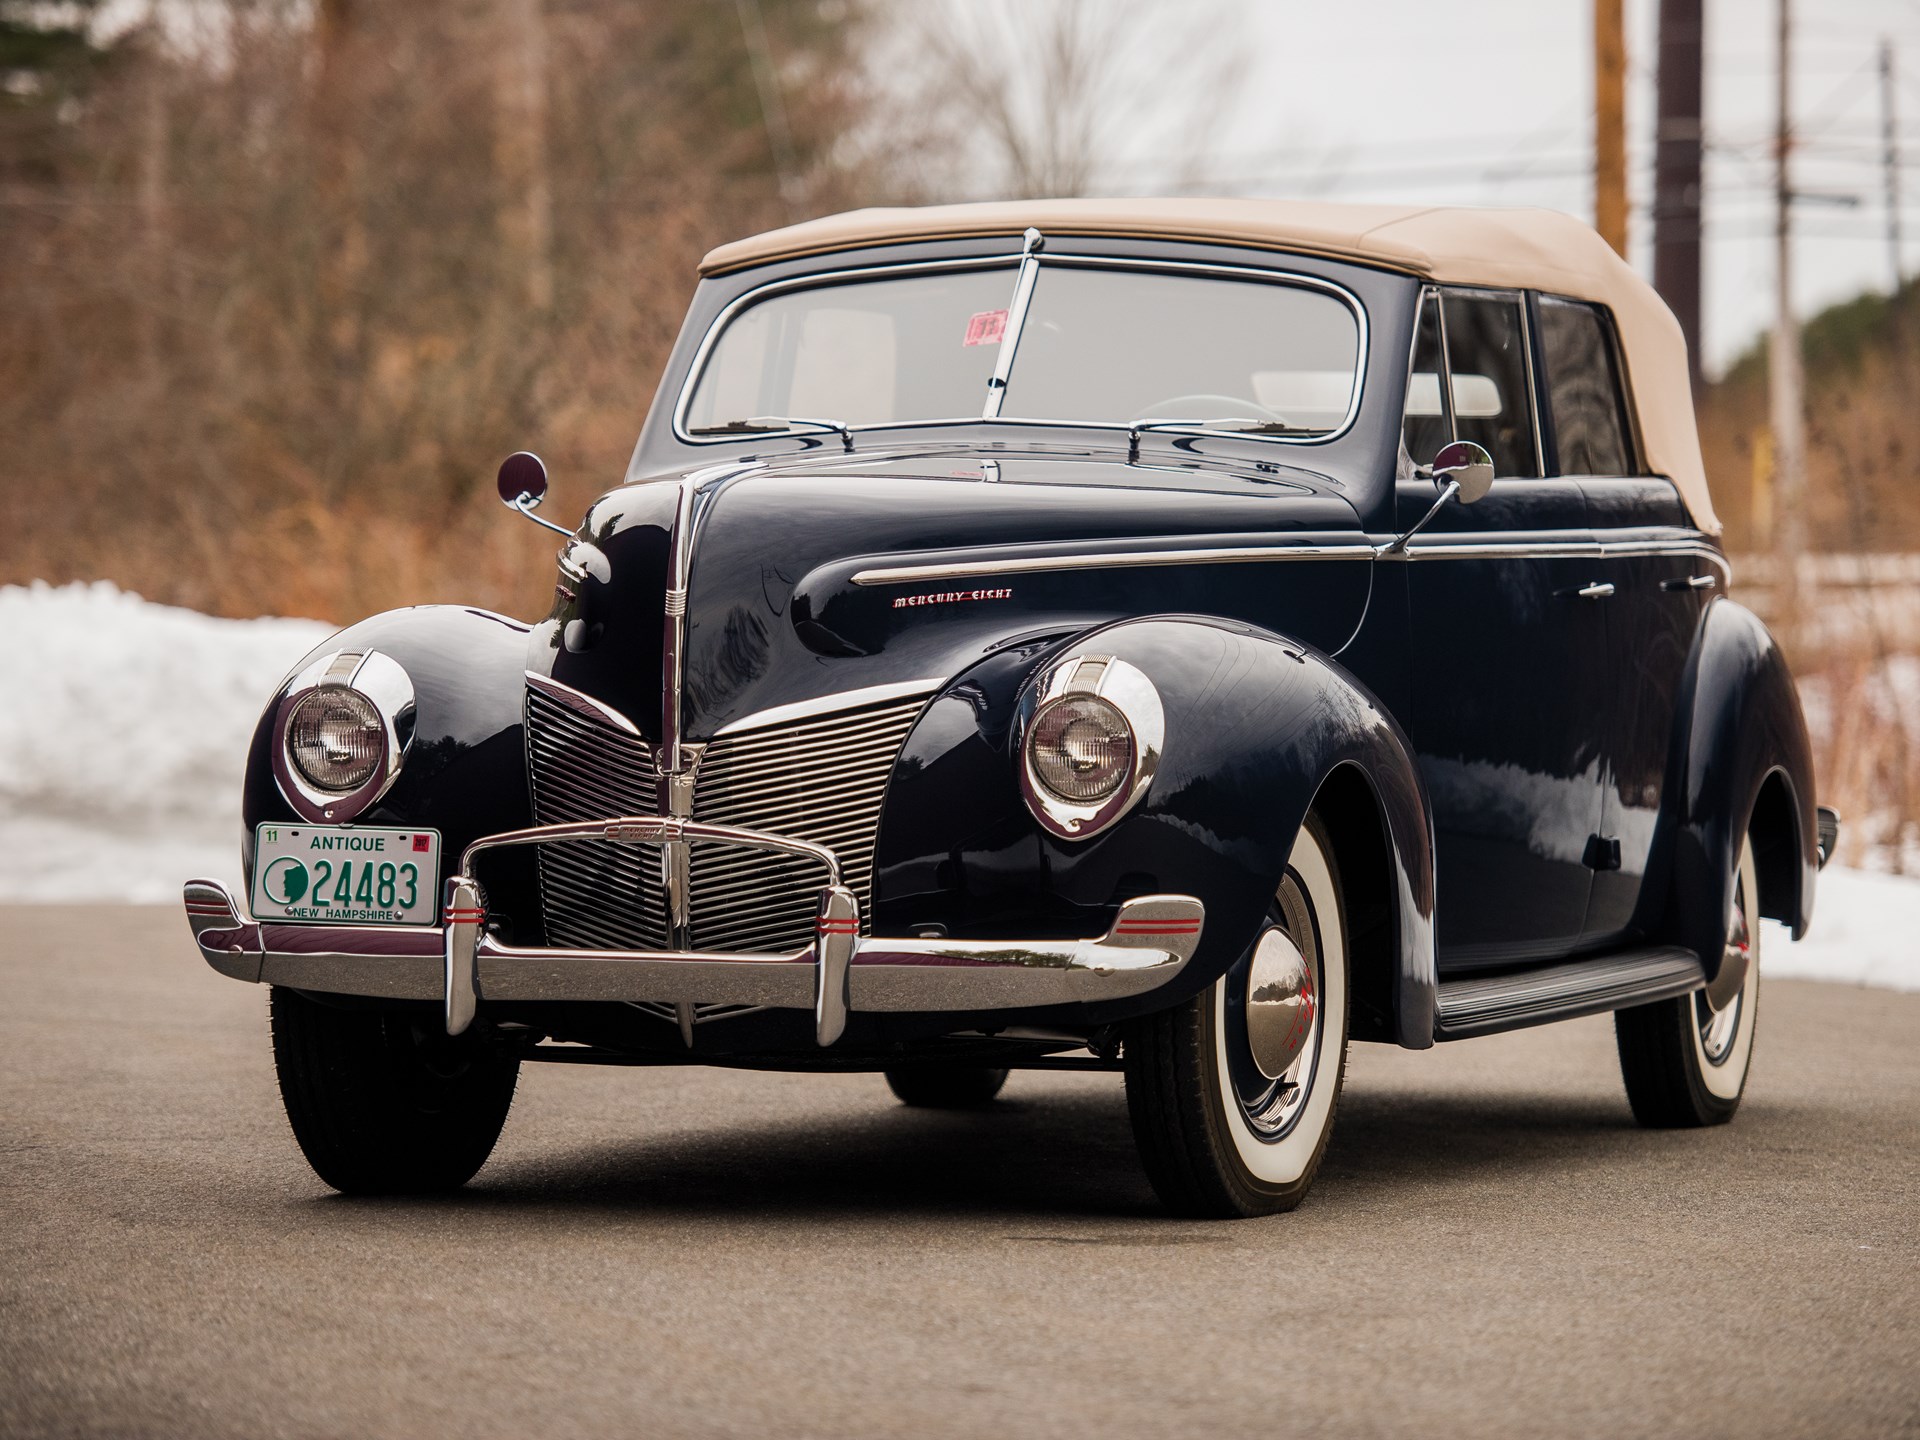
(1273, 1015)
(1280, 1004)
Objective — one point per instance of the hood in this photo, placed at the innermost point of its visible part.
(813, 577)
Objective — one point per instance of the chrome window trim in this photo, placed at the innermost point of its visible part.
(820, 279)
(1498, 292)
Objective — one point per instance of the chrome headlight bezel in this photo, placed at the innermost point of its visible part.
(376, 678)
(1127, 689)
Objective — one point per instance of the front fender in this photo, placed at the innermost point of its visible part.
(465, 773)
(1257, 725)
(1738, 730)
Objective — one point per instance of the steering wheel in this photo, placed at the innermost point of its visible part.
(1216, 407)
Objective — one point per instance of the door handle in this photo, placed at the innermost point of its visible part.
(1597, 591)
(1692, 582)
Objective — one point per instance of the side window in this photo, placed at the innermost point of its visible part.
(1583, 389)
(1485, 338)
(1492, 403)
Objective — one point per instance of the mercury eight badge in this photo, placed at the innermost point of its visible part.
(1175, 638)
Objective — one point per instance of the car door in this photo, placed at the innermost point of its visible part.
(1661, 571)
(1509, 669)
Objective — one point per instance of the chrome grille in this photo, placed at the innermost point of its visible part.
(596, 895)
(820, 779)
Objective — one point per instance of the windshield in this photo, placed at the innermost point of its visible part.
(1099, 345)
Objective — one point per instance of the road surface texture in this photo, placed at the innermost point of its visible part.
(1492, 1248)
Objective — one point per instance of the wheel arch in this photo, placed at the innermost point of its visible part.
(1349, 807)
(1774, 828)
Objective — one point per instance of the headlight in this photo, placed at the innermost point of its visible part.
(1091, 743)
(1081, 748)
(336, 739)
(341, 729)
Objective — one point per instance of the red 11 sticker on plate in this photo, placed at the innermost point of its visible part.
(987, 327)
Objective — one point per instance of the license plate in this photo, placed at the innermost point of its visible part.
(353, 875)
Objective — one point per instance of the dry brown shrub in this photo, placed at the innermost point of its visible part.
(272, 305)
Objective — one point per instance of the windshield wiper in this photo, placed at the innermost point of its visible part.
(777, 425)
(1220, 425)
(1229, 424)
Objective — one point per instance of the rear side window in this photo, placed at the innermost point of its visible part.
(1584, 394)
(1486, 341)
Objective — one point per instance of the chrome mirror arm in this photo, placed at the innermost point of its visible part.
(1467, 470)
(1398, 545)
(524, 505)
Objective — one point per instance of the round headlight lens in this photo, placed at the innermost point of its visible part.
(1081, 748)
(336, 739)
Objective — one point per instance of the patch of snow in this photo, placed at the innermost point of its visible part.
(124, 730)
(123, 737)
(1866, 931)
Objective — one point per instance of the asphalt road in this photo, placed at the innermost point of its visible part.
(1492, 1249)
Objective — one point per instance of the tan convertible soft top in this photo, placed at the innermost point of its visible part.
(1522, 249)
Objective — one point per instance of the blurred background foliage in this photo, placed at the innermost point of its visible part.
(282, 289)
(284, 279)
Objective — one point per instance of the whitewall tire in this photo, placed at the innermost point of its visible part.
(1233, 1093)
(1686, 1061)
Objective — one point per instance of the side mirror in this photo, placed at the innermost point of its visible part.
(1465, 464)
(523, 485)
(1464, 472)
(523, 480)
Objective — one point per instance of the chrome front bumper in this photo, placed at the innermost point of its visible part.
(460, 962)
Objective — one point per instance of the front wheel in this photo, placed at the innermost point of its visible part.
(1685, 1061)
(383, 1105)
(1232, 1094)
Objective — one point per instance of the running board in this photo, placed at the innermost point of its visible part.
(1483, 1004)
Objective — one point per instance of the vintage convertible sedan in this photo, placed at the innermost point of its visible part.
(1175, 637)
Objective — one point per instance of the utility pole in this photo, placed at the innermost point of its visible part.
(1786, 383)
(1610, 123)
(1890, 162)
(1676, 171)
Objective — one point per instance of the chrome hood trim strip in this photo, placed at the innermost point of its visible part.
(830, 704)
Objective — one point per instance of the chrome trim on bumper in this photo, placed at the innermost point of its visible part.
(460, 964)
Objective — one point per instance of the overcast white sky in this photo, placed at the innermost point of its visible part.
(1491, 102)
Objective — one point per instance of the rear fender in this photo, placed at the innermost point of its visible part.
(1740, 760)
(1259, 729)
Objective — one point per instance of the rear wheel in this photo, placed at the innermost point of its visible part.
(1685, 1061)
(944, 1088)
(1232, 1094)
(382, 1105)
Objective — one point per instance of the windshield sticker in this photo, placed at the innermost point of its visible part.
(951, 597)
(987, 327)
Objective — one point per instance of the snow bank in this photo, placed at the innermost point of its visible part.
(1866, 931)
(123, 734)
(124, 729)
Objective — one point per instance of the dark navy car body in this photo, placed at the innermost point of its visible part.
(1541, 743)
